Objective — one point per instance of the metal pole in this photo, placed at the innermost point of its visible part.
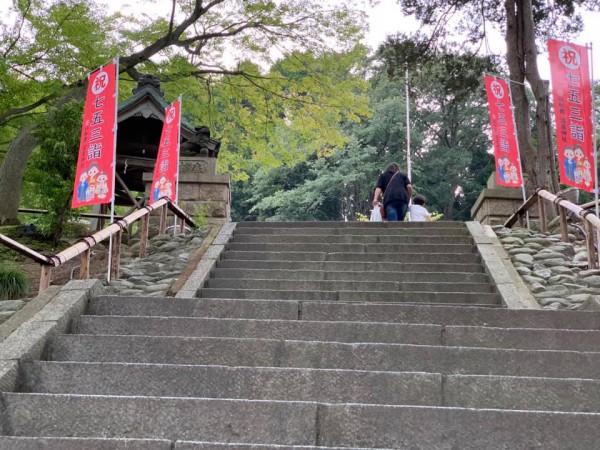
(112, 200)
(590, 49)
(408, 164)
(177, 175)
(518, 148)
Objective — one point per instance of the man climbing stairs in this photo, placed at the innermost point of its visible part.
(331, 335)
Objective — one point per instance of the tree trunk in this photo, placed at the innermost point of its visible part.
(13, 166)
(521, 55)
(11, 174)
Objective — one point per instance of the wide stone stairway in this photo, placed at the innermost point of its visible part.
(332, 335)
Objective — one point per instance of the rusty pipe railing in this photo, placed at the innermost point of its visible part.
(591, 221)
(83, 246)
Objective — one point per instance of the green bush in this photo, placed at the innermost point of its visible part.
(13, 283)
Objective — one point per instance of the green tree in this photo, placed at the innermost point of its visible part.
(52, 44)
(449, 116)
(52, 166)
(523, 23)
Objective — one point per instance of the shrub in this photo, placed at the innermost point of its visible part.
(13, 283)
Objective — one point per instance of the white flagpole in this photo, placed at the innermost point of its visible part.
(112, 200)
(590, 49)
(512, 108)
(178, 155)
(408, 164)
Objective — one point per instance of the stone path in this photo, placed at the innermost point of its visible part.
(153, 275)
(555, 271)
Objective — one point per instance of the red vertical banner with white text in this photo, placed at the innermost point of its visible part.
(166, 170)
(571, 94)
(94, 181)
(504, 138)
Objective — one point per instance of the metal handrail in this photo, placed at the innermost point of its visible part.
(83, 246)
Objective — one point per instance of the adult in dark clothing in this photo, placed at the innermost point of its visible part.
(397, 191)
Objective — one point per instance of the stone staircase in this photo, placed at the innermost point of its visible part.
(329, 335)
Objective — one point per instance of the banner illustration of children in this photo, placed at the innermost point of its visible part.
(166, 169)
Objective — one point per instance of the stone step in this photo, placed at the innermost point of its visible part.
(322, 385)
(286, 274)
(343, 266)
(352, 239)
(304, 330)
(364, 231)
(341, 311)
(353, 225)
(160, 418)
(252, 383)
(188, 445)
(66, 443)
(263, 329)
(473, 298)
(374, 287)
(296, 423)
(325, 355)
(377, 249)
(433, 258)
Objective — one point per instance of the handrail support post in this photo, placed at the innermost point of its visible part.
(45, 278)
(163, 220)
(144, 225)
(564, 230)
(116, 255)
(542, 210)
(590, 232)
(84, 270)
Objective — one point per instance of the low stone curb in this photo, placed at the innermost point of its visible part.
(209, 259)
(28, 341)
(497, 263)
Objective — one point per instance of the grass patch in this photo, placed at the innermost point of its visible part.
(13, 283)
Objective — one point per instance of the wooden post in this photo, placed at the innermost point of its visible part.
(145, 220)
(116, 255)
(163, 220)
(564, 231)
(590, 232)
(182, 227)
(542, 210)
(84, 270)
(45, 278)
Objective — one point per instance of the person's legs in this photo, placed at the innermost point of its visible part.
(402, 211)
(391, 213)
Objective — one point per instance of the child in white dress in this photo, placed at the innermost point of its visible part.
(418, 212)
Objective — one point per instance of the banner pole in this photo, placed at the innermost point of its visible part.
(591, 52)
(408, 163)
(177, 175)
(508, 83)
(112, 200)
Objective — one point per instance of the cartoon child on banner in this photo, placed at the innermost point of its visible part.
(82, 187)
(570, 163)
(102, 185)
(587, 172)
(578, 152)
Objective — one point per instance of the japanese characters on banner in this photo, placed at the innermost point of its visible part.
(94, 180)
(166, 170)
(506, 148)
(572, 98)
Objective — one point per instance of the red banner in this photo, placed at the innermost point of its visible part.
(94, 178)
(572, 99)
(166, 170)
(506, 148)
